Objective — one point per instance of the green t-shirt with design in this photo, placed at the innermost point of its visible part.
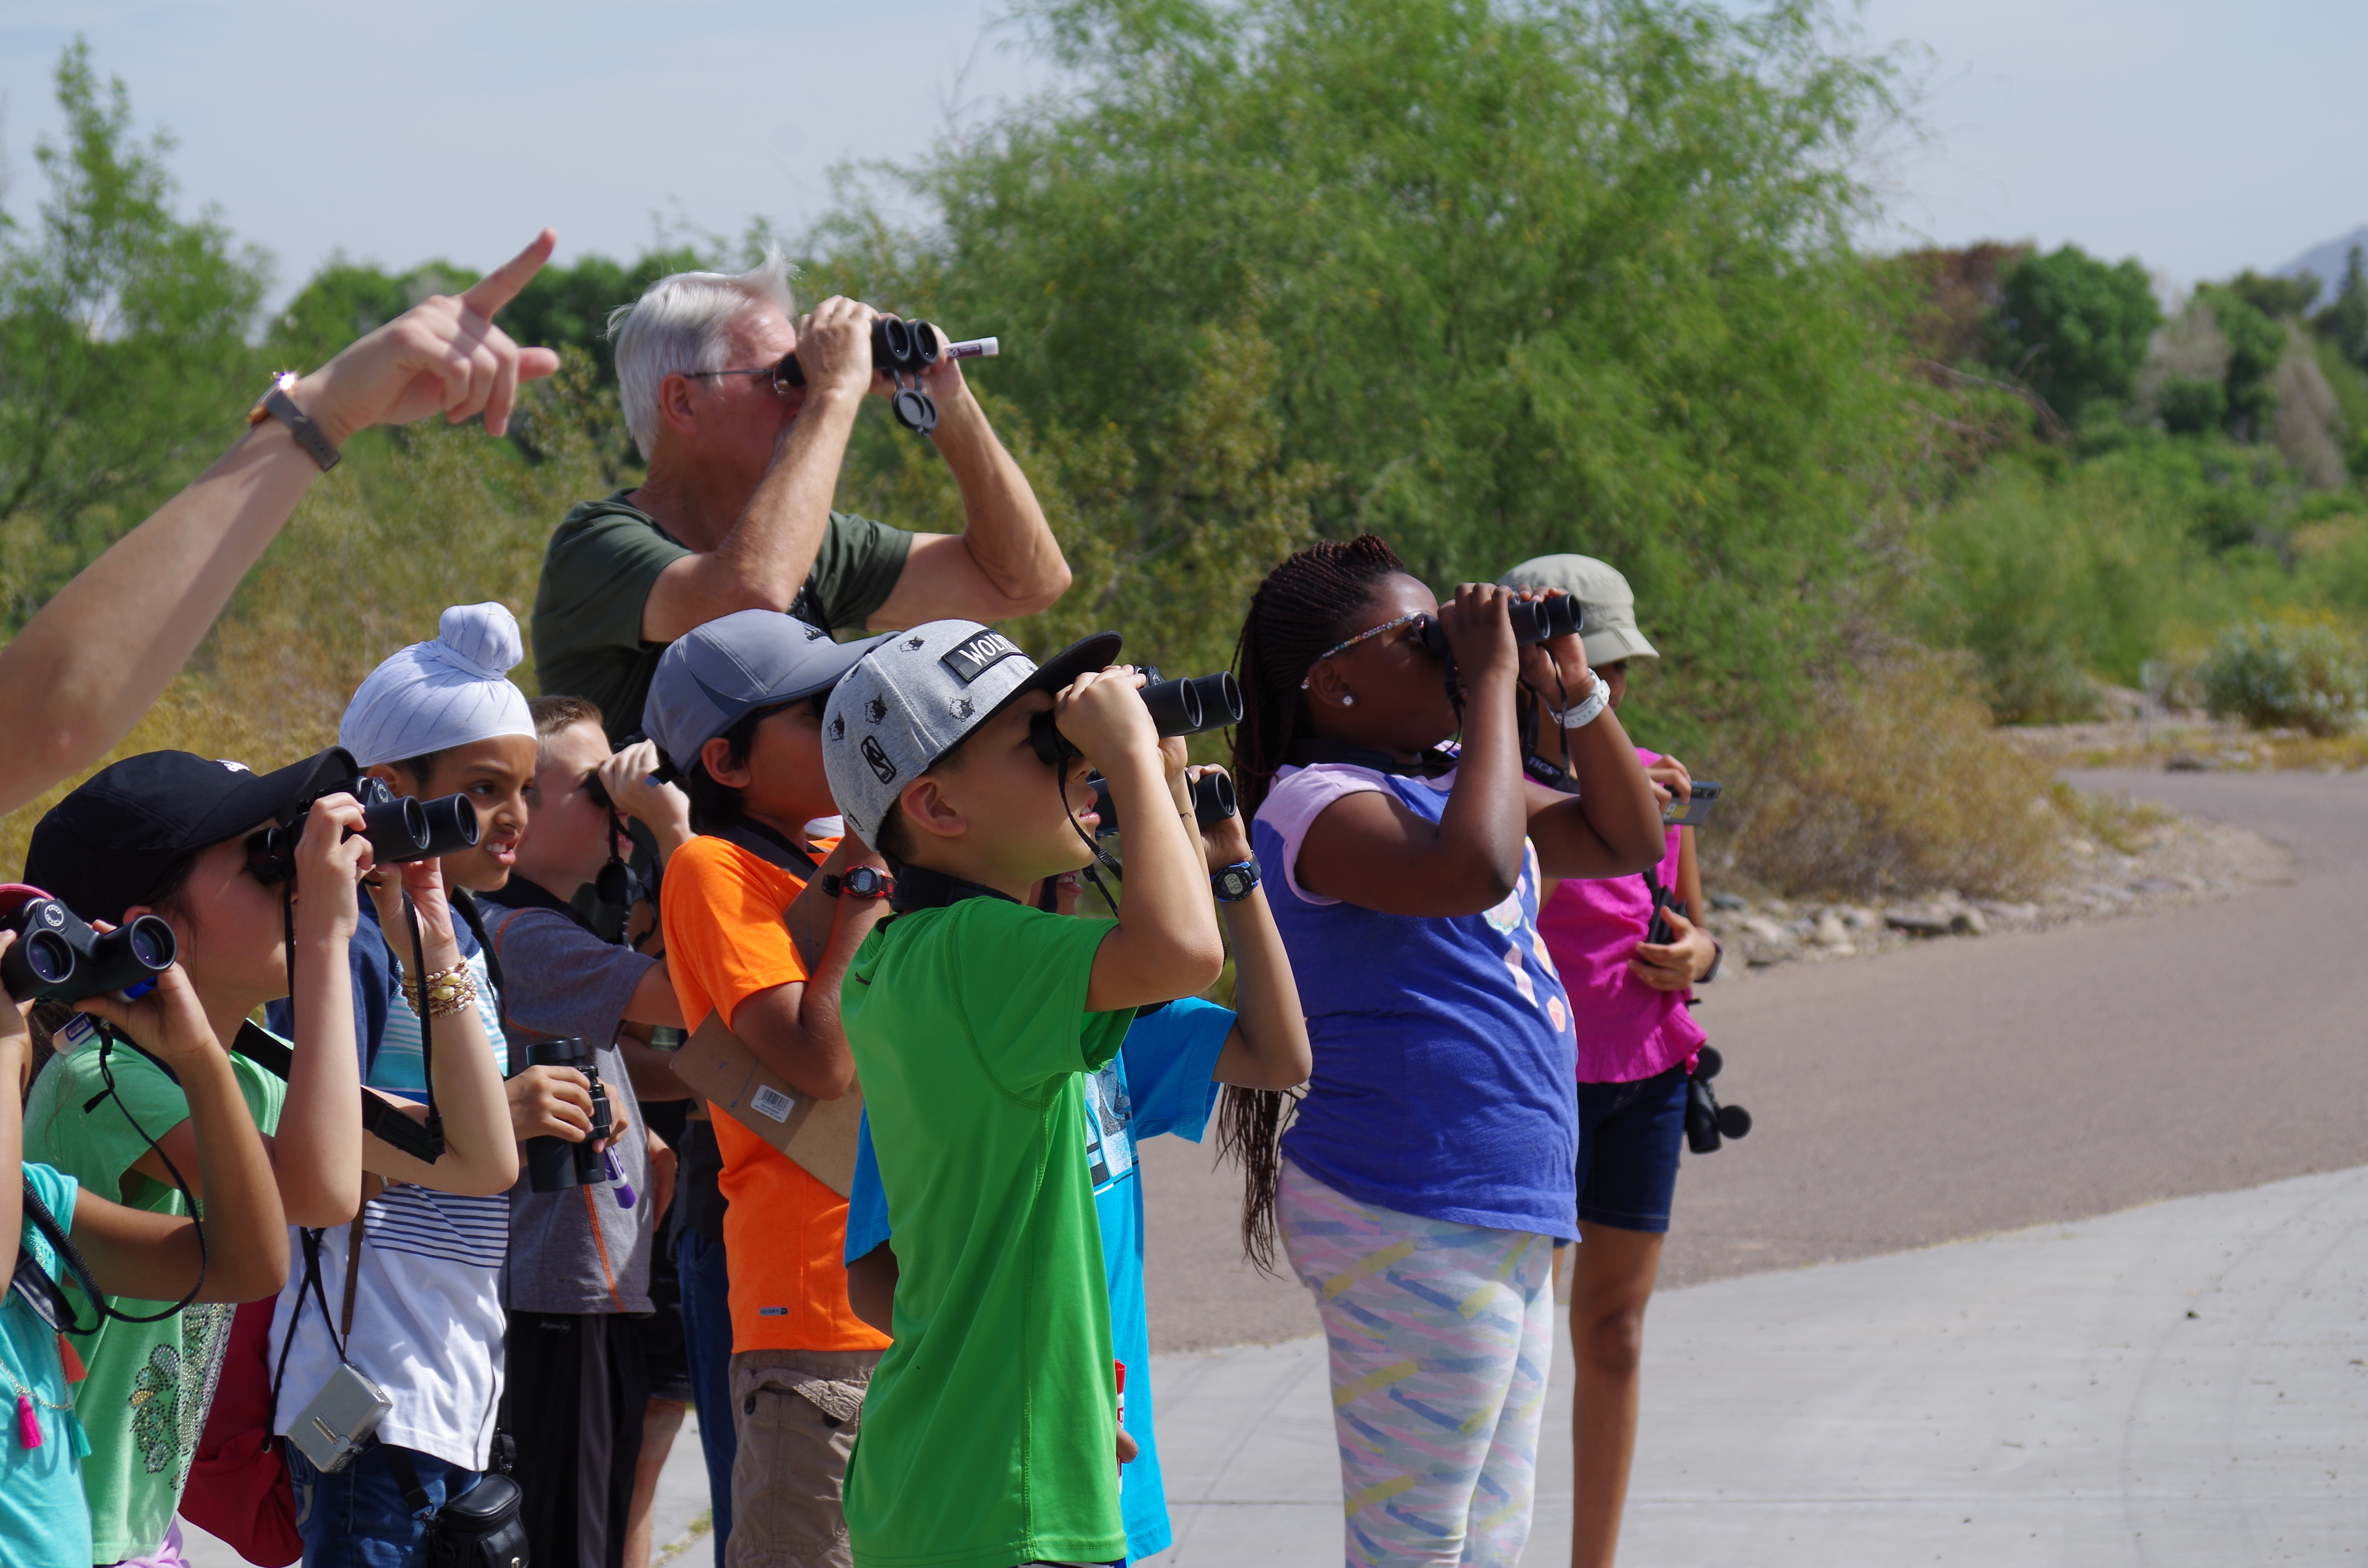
(144, 1403)
(597, 577)
(989, 1434)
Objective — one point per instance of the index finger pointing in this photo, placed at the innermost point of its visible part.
(500, 286)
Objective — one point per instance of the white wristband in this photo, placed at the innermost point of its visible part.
(1583, 714)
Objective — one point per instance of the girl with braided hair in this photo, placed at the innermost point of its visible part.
(1428, 1170)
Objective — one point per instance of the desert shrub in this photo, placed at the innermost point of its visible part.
(2286, 673)
(1901, 787)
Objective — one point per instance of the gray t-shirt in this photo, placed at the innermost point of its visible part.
(576, 1251)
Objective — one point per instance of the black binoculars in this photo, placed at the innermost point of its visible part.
(1707, 1120)
(1535, 620)
(399, 828)
(900, 349)
(1213, 801)
(554, 1165)
(1177, 708)
(58, 958)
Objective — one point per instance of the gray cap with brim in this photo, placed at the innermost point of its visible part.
(714, 675)
(917, 694)
(1608, 604)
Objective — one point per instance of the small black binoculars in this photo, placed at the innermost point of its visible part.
(58, 958)
(1707, 1121)
(1213, 801)
(399, 828)
(1177, 708)
(554, 1165)
(1535, 620)
(901, 350)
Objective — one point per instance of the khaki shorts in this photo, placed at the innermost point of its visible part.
(795, 1413)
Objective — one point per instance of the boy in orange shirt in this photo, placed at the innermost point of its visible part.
(737, 706)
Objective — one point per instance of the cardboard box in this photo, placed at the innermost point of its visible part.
(819, 1135)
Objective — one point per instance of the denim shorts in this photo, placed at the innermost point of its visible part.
(1629, 1135)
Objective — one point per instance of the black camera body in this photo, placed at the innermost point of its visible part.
(1177, 708)
(399, 827)
(1707, 1121)
(58, 958)
(902, 350)
(554, 1165)
(1535, 620)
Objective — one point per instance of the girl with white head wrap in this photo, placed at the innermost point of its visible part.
(433, 696)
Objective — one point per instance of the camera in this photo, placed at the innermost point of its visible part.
(58, 958)
(1177, 708)
(554, 1165)
(399, 828)
(1213, 801)
(1535, 620)
(1696, 811)
(1707, 1120)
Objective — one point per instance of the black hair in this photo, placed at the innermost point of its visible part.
(1304, 606)
(714, 805)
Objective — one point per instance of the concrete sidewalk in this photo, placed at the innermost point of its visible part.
(2177, 1384)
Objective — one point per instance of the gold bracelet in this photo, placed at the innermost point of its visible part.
(441, 987)
(448, 999)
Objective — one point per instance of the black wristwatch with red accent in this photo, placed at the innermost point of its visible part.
(864, 881)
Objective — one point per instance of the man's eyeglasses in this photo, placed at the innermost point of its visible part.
(786, 373)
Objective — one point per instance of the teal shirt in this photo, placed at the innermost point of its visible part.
(43, 1517)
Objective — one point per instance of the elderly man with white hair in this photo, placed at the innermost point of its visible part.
(736, 513)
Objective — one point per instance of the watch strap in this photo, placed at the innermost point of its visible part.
(1242, 877)
(277, 404)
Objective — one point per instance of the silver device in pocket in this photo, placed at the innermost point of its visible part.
(337, 1424)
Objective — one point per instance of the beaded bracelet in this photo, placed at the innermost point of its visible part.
(443, 988)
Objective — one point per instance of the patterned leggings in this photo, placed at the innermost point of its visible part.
(1441, 1337)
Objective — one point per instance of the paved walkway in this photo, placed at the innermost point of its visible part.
(2183, 1383)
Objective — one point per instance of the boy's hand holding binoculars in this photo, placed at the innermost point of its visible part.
(1103, 718)
(1225, 842)
(424, 881)
(556, 1102)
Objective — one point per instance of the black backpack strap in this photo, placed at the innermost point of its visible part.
(379, 1119)
(465, 904)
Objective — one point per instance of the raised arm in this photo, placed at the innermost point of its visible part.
(66, 695)
(1612, 827)
(1006, 561)
(795, 1029)
(155, 1256)
(480, 1158)
(1165, 944)
(1268, 1047)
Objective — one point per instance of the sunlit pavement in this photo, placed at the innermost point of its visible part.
(2176, 1384)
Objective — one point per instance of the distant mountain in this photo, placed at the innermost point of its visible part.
(2326, 262)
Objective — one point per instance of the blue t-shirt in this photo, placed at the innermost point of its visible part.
(42, 1516)
(1445, 1066)
(1159, 1082)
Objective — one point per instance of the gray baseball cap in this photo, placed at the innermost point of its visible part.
(1609, 628)
(714, 675)
(917, 693)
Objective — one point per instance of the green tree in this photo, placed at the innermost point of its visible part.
(2256, 343)
(124, 349)
(2344, 323)
(344, 300)
(2275, 297)
(2077, 327)
(1530, 277)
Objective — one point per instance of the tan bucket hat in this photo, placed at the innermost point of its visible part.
(1609, 631)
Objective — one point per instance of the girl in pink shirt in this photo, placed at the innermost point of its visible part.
(1636, 1042)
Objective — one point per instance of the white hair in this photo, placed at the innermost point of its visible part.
(678, 327)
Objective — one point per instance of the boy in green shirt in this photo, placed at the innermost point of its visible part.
(990, 1436)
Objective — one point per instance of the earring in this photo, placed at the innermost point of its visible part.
(1348, 700)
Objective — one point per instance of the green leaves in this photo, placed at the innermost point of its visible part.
(123, 342)
(2082, 325)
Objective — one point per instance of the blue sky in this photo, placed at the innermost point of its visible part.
(2199, 137)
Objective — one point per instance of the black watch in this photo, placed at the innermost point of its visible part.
(864, 881)
(1234, 883)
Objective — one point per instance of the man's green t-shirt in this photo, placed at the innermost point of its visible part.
(597, 577)
(989, 1434)
(144, 1403)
